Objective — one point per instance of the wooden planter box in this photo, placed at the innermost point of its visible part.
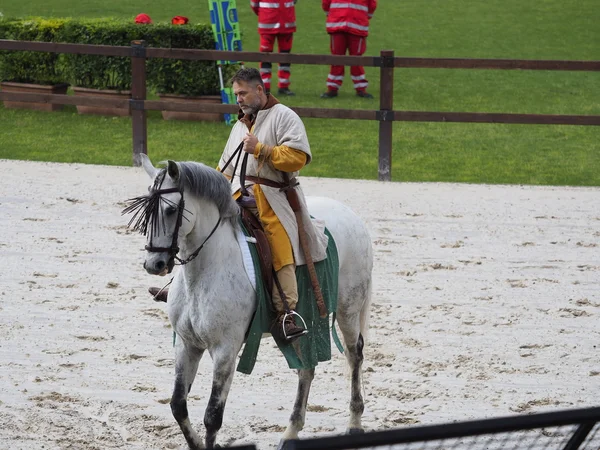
(59, 89)
(177, 115)
(102, 110)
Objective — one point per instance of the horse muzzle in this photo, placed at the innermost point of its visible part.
(160, 267)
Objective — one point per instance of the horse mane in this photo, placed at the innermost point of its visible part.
(205, 182)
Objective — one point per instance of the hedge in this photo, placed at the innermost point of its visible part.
(167, 76)
(31, 67)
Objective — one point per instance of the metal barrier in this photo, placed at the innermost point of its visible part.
(561, 430)
(565, 430)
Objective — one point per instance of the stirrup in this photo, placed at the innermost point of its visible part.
(283, 333)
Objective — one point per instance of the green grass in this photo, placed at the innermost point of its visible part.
(478, 153)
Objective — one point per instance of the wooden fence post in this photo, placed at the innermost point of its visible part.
(136, 104)
(385, 115)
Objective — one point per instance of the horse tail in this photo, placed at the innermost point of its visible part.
(365, 314)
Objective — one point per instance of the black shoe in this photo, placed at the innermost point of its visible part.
(363, 94)
(329, 94)
(285, 91)
(160, 295)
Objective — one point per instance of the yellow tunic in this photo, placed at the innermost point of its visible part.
(285, 159)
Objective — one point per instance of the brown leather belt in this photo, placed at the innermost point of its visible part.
(266, 182)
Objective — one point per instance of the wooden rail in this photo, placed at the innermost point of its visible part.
(386, 62)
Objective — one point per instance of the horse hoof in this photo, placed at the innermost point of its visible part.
(356, 431)
(283, 444)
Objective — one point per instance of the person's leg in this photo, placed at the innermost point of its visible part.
(357, 45)
(284, 42)
(338, 46)
(287, 280)
(267, 42)
(286, 326)
(285, 271)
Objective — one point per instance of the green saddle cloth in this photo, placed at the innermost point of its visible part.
(315, 346)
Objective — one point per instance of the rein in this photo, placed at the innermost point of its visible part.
(238, 152)
(197, 251)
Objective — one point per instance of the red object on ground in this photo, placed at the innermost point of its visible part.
(179, 20)
(143, 18)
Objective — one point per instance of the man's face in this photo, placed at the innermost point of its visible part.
(248, 96)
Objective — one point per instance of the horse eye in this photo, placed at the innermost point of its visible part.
(170, 210)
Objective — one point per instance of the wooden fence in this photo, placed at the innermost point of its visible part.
(386, 62)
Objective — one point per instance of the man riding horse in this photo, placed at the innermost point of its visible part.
(276, 147)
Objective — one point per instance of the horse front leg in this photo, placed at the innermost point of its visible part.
(305, 378)
(224, 367)
(186, 367)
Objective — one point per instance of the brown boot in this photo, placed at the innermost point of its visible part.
(285, 328)
(160, 295)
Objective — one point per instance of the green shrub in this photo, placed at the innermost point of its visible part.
(31, 67)
(97, 71)
(166, 76)
(183, 77)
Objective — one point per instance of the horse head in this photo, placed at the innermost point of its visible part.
(159, 215)
(170, 210)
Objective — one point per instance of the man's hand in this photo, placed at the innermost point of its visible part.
(250, 142)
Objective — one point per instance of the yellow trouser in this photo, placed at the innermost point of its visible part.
(279, 241)
(285, 274)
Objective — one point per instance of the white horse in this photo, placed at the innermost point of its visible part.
(190, 211)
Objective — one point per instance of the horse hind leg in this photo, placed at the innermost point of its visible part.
(186, 367)
(305, 378)
(357, 405)
(354, 326)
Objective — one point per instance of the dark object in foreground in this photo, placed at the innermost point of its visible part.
(159, 295)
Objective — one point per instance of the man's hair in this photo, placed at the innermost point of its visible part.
(248, 75)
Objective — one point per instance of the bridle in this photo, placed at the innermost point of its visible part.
(147, 221)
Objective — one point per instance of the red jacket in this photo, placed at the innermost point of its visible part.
(275, 16)
(349, 16)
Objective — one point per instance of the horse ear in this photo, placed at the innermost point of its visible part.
(147, 165)
(173, 170)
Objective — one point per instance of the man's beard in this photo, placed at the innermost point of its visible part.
(251, 109)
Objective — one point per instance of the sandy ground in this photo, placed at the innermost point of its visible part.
(486, 304)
